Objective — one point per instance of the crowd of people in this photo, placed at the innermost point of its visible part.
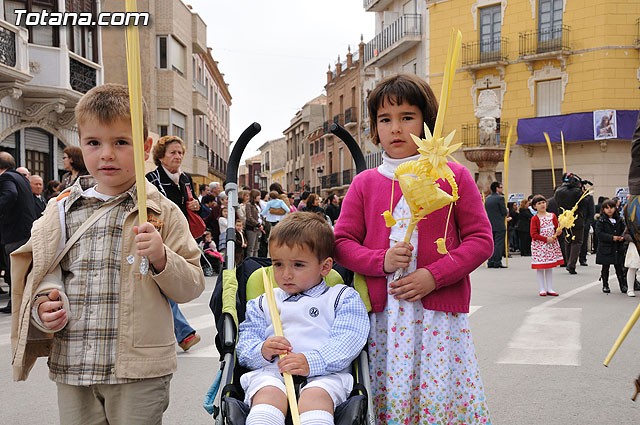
(532, 231)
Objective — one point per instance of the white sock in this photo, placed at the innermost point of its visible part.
(548, 276)
(540, 275)
(265, 414)
(631, 278)
(316, 417)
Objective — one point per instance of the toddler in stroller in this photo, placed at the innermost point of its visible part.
(326, 326)
(237, 285)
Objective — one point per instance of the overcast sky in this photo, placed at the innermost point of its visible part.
(274, 54)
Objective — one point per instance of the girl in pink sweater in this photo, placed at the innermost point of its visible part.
(423, 365)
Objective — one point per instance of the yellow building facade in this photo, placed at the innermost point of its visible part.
(554, 65)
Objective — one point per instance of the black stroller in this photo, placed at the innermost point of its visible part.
(236, 285)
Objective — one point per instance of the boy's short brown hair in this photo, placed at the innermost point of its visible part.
(108, 103)
(160, 148)
(402, 88)
(304, 229)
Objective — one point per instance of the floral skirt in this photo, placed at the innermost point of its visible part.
(424, 368)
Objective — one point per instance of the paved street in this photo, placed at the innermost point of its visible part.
(540, 358)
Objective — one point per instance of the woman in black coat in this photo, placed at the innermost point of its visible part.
(312, 206)
(524, 228)
(609, 228)
(512, 226)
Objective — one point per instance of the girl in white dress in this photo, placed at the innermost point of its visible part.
(423, 365)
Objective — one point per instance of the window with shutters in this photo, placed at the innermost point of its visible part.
(549, 20)
(542, 181)
(38, 164)
(44, 35)
(83, 39)
(490, 28)
(548, 97)
(171, 54)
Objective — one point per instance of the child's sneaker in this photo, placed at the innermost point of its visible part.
(189, 341)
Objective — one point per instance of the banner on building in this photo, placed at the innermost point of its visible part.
(580, 126)
(605, 124)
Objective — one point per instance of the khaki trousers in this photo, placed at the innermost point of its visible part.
(136, 403)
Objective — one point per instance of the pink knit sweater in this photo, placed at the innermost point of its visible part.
(362, 239)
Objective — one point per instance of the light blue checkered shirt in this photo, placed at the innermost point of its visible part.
(347, 337)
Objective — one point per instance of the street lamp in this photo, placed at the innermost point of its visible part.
(320, 170)
(296, 180)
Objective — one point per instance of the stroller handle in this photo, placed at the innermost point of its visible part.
(351, 143)
(238, 149)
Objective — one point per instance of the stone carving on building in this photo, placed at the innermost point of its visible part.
(14, 92)
(34, 67)
(38, 111)
(488, 110)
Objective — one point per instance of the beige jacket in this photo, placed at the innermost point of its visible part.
(146, 342)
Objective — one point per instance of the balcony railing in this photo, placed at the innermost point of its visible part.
(347, 176)
(480, 52)
(350, 115)
(325, 127)
(7, 47)
(404, 26)
(373, 159)
(200, 88)
(82, 77)
(216, 163)
(554, 39)
(200, 149)
(637, 40)
(338, 119)
(470, 139)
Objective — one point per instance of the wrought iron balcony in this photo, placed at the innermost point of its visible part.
(480, 52)
(469, 134)
(406, 27)
(347, 176)
(549, 40)
(324, 182)
(7, 47)
(82, 77)
(338, 119)
(637, 40)
(350, 115)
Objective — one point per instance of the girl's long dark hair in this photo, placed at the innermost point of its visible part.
(610, 203)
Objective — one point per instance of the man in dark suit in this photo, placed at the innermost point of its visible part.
(589, 214)
(17, 212)
(496, 211)
(36, 188)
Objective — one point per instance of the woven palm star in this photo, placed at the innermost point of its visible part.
(435, 151)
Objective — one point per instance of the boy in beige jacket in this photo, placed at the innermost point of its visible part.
(110, 344)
